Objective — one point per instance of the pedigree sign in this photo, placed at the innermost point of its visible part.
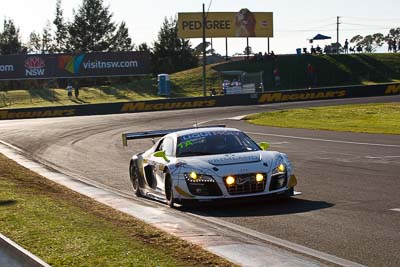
(243, 23)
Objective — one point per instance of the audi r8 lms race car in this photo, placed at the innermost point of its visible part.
(208, 164)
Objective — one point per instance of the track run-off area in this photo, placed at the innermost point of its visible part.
(350, 206)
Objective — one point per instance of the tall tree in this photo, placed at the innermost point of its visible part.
(144, 48)
(368, 43)
(171, 54)
(10, 42)
(248, 50)
(61, 32)
(198, 50)
(394, 35)
(35, 43)
(47, 39)
(356, 39)
(121, 40)
(92, 28)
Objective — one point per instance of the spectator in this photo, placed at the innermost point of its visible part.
(261, 87)
(310, 75)
(313, 51)
(346, 46)
(359, 49)
(318, 49)
(69, 90)
(394, 46)
(272, 55)
(327, 49)
(390, 45)
(76, 91)
(277, 77)
(213, 92)
(259, 56)
(225, 85)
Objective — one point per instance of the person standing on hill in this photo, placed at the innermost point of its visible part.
(76, 91)
(390, 45)
(277, 77)
(69, 90)
(346, 46)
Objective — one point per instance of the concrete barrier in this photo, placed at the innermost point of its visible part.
(13, 255)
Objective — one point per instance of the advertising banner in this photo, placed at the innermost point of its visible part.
(226, 24)
(46, 66)
(203, 102)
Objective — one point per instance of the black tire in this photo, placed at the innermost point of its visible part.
(169, 192)
(133, 173)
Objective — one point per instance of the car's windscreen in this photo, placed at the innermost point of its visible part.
(214, 142)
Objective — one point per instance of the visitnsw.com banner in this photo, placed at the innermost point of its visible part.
(45, 66)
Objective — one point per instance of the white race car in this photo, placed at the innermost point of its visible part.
(208, 164)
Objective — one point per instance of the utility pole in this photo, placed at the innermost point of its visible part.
(226, 48)
(204, 51)
(247, 48)
(337, 34)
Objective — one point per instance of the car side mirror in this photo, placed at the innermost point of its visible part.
(264, 145)
(161, 154)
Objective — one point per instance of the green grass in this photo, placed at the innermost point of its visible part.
(333, 70)
(144, 90)
(366, 118)
(67, 229)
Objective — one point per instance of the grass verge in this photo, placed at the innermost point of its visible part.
(365, 118)
(67, 229)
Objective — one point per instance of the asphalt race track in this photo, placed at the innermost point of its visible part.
(350, 182)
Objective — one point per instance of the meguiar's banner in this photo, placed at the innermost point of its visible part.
(46, 66)
(204, 102)
(226, 24)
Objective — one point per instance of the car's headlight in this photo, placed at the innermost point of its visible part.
(280, 166)
(194, 177)
(280, 169)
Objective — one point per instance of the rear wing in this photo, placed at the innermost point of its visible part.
(158, 133)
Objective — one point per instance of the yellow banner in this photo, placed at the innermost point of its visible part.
(226, 24)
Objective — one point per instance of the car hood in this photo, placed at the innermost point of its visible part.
(234, 162)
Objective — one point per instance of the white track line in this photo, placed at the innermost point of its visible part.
(323, 140)
(302, 138)
(395, 209)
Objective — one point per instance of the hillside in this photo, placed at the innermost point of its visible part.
(332, 70)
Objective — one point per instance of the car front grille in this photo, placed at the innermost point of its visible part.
(246, 184)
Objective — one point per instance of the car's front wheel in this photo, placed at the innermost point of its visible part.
(133, 173)
(169, 192)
